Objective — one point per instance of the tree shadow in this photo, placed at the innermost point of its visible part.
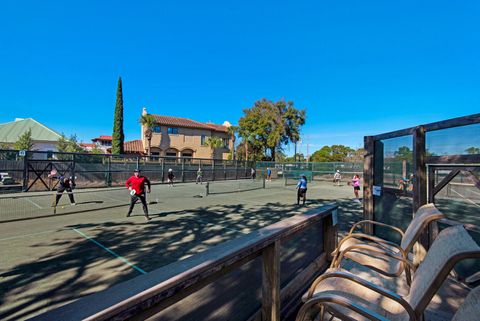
(68, 269)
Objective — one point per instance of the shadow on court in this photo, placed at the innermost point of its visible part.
(65, 266)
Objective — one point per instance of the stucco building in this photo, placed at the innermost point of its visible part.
(183, 137)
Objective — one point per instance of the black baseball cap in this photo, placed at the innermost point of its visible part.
(136, 171)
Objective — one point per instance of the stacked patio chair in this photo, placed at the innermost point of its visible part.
(384, 257)
(347, 296)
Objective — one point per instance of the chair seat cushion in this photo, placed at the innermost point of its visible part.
(371, 259)
(363, 296)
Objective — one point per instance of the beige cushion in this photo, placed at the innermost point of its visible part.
(371, 259)
(362, 296)
(470, 309)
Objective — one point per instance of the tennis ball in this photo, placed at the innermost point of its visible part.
(63, 207)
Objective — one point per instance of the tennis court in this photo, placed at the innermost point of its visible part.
(51, 259)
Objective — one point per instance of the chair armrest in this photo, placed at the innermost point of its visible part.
(354, 226)
(320, 298)
(368, 237)
(369, 285)
(406, 263)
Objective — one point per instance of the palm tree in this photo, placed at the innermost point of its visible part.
(148, 121)
(232, 130)
(213, 142)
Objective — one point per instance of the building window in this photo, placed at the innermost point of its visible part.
(171, 154)
(172, 130)
(157, 129)
(202, 140)
(226, 142)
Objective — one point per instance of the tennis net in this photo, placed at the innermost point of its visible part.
(292, 177)
(234, 186)
(29, 205)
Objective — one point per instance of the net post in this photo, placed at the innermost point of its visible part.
(213, 169)
(109, 171)
(207, 188)
(25, 172)
(236, 169)
(183, 170)
(163, 169)
(263, 183)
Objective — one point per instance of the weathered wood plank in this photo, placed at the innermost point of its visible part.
(445, 181)
(271, 282)
(129, 298)
(454, 122)
(454, 159)
(393, 134)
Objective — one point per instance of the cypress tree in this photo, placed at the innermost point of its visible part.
(118, 137)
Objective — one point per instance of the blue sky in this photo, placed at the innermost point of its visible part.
(358, 67)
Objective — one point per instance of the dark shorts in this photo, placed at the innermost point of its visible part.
(356, 188)
(302, 191)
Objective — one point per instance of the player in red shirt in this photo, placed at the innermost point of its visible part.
(137, 183)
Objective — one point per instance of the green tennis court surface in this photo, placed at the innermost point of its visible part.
(51, 260)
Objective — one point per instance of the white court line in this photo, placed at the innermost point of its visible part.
(27, 235)
(465, 197)
(32, 202)
(121, 258)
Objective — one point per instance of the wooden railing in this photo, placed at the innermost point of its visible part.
(148, 295)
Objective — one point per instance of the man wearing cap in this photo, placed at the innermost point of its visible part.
(136, 185)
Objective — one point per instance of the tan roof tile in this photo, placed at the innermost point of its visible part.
(188, 123)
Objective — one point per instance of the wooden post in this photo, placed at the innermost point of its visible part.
(330, 234)
(271, 283)
(420, 182)
(368, 169)
(420, 179)
(431, 184)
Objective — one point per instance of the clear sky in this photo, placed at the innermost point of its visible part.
(358, 67)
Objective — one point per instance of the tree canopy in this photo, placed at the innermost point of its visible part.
(118, 136)
(268, 125)
(403, 153)
(69, 145)
(473, 150)
(213, 142)
(25, 141)
(334, 153)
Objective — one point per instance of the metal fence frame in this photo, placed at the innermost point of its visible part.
(31, 168)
